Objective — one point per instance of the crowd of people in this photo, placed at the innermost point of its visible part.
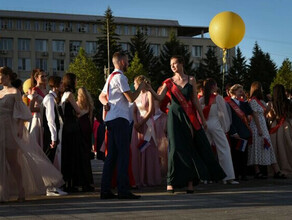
(185, 132)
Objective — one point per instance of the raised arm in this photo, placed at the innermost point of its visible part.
(131, 96)
(161, 94)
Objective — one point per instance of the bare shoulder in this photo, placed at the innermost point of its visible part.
(14, 91)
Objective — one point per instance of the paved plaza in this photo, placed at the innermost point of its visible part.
(253, 199)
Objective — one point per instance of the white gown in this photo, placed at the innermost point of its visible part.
(37, 172)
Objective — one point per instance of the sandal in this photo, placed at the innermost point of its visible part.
(280, 175)
(259, 175)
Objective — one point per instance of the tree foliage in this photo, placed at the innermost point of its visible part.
(135, 69)
(209, 68)
(239, 69)
(101, 56)
(284, 75)
(87, 73)
(261, 69)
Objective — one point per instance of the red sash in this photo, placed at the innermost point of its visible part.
(105, 112)
(186, 105)
(207, 108)
(275, 129)
(39, 91)
(238, 112)
(260, 103)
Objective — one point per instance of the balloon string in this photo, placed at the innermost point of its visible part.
(223, 67)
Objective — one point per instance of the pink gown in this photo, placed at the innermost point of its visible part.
(37, 172)
(160, 120)
(145, 164)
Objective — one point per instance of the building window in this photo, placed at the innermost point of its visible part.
(95, 29)
(6, 61)
(27, 25)
(156, 31)
(6, 24)
(49, 26)
(24, 44)
(19, 25)
(156, 49)
(124, 46)
(36, 26)
(148, 31)
(196, 51)
(41, 45)
(74, 46)
(126, 30)
(58, 65)
(118, 29)
(24, 64)
(58, 46)
(187, 47)
(62, 27)
(164, 32)
(6, 44)
(42, 64)
(134, 30)
(90, 47)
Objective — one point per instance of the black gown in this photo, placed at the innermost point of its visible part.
(73, 168)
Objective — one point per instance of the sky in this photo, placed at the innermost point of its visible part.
(267, 22)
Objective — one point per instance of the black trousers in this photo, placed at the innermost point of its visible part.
(239, 159)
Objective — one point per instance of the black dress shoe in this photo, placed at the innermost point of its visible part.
(128, 196)
(107, 195)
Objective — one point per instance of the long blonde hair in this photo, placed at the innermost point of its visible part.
(85, 101)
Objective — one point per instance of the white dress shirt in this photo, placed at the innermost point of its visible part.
(119, 105)
(49, 104)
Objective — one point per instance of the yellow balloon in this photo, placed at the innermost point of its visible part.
(26, 85)
(226, 29)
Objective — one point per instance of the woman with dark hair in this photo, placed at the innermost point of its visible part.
(39, 91)
(72, 145)
(261, 152)
(280, 116)
(190, 156)
(24, 168)
(218, 122)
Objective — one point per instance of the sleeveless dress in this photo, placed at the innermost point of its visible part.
(37, 172)
(145, 165)
(190, 156)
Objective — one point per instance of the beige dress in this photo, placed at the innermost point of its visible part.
(37, 172)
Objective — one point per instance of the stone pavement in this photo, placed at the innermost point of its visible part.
(253, 199)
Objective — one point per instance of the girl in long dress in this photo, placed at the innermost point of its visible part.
(218, 122)
(281, 128)
(24, 169)
(261, 151)
(85, 119)
(190, 156)
(145, 156)
(39, 91)
(72, 144)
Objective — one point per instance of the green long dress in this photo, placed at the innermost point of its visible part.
(190, 155)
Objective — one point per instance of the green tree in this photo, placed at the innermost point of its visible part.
(171, 48)
(140, 46)
(261, 69)
(87, 75)
(135, 69)
(209, 67)
(238, 70)
(101, 56)
(284, 75)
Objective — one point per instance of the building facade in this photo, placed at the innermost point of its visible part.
(50, 41)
